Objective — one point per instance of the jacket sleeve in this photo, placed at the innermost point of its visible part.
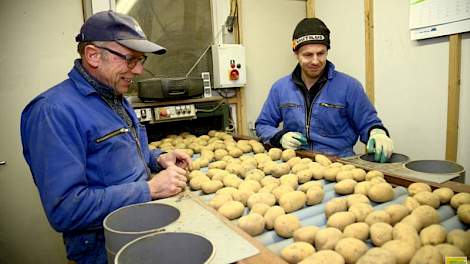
(269, 118)
(55, 150)
(362, 112)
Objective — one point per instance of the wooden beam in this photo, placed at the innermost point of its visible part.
(453, 98)
(310, 8)
(241, 112)
(369, 42)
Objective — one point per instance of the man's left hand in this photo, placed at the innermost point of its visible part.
(175, 158)
(380, 144)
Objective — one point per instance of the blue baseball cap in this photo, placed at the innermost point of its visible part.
(112, 26)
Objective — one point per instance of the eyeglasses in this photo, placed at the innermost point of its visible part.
(131, 61)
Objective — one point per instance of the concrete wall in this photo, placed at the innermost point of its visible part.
(38, 50)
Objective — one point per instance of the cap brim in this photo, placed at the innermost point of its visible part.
(142, 45)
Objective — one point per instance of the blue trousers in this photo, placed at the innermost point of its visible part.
(86, 247)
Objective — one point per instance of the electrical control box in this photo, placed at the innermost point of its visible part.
(229, 65)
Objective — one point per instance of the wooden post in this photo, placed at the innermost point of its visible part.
(453, 98)
(369, 42)
(310, 8)
(241, 119)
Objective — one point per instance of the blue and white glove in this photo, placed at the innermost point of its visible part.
(292, 140)
(380, 144)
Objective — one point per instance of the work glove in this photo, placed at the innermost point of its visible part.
(292, 140)
(380, 144)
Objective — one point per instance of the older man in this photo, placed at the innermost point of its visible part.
(86, 149)
(321, 108)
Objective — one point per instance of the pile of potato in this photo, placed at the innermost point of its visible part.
(272, 184)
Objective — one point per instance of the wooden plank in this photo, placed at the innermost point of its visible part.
(369, 42)
(310, 8)
(264, 257)
(241, 112)
(453, 99)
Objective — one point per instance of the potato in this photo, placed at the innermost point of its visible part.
(357, 230)
(433, 235)
(376, 180)
(258, 147)
(362, 187)
(407, 233)
(231, 209)
(380, 233)
(197, 182)
(411, 203)
(235, 152)
(211, 186)
(358, 174)
(376, 217)
(448, 250)
(418, 187)
(267, 167)
(327, 238)
(259, 208)
(194, 174)
(397, 212)
(377, 256)
(427, 198)
(271, 214)
(299, 167)
(287, 154)
(414, 221)
(324, 256)
(427, 215)
(253, 224)
(400, 249)
(460, 239)
(231, 180)
(261, 158)
(268, 180)
(280, 170)
(292, 201)
(444, 193)
(250, 184)
(372, 174)
(345, 186)
(344, 174)
(254, 174)
(336, 165)
(219, 199)
(427, 254)
(293, 161)
(278, 192)
(234, 168)
(245, 147)
(459, 199)
(351, 249)
(361, 211)
(315, 195)
(340, 220)
(304, 187)
(304, 175)
(381, 192)
(318, 172)
(242, 196)
(214, 171)
(275, 153)
(330, 173)
(290, 179)
(297, 251)
(335, 205)
(347, 167)
(306, 234)
(220, 153)
(356, 198)
(322, 159)
(285, 225)
(266, 198)
(463, 212)
(227, 190)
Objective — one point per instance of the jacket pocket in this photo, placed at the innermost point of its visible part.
(330, 119)
(293, 116)
(112, 134)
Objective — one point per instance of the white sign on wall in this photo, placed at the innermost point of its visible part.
(433, 18)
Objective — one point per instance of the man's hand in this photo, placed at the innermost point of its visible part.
(292, 140)
(175, 158)
(168, 182)
(380, 144)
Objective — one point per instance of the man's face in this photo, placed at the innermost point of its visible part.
(114, 70)
(312, 59)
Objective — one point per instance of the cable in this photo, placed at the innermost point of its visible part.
(212, 109)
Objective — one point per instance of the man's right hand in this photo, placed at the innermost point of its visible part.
(168, 182)
(292, 140)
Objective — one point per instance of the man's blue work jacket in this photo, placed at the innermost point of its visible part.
(83, 157)
(340, 113)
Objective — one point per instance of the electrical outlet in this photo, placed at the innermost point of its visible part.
(251, 125)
